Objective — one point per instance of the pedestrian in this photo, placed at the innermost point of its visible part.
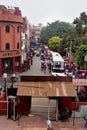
(44, 67)
(49, 67)
(85, 119)
(49, 127)
(42, 64)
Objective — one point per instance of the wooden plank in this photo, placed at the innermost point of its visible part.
(46, 78)
(34, 128)
(66, 128)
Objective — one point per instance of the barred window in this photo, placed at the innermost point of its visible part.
(7, 29)
(7, 46)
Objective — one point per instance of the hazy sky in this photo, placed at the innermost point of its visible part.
(47, 11)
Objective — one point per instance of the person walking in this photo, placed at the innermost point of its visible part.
(49, 126)
(44, 68)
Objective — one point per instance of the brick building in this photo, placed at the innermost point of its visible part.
(11, 22)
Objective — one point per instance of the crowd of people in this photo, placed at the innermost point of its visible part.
(75, 71)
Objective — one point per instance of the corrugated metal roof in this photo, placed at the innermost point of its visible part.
(47, 88)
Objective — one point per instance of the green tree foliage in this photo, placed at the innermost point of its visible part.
(81, 23)
(54, 43)
(56, 28)
(83, 40)
(71, 40)
(83, 18)
(80, 54)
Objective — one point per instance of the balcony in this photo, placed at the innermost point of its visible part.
(9, 54)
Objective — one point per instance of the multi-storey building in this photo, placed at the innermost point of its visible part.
(25, 39)
(11, 22)
(35, 34)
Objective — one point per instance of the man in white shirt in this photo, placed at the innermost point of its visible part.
(49, 127)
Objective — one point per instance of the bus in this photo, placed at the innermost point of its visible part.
(57, 64)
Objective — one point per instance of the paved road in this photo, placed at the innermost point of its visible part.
(35, 69)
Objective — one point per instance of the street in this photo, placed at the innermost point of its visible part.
(39, 109)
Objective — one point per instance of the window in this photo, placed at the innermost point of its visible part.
(17, 45)
(7, 46)
(58, 65)
(7, 29)
(18, 29)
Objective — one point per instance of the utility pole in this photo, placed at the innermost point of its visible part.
(70, 50)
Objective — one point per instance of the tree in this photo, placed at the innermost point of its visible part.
(80, 54)
(83, 40)
(45, 34)
(54, 43)
(81, 23)
(79, 28)
(83, 18)
(71, 40)
(56, 28)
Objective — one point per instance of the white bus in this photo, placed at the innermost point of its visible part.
(57, 64)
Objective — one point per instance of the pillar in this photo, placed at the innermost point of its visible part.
(13, 65)
(20, 64)
(0, 67)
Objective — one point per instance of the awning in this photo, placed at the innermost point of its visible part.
(46, 89)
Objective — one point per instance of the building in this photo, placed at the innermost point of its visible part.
(35, 34)
(11, 23)
(25, 39)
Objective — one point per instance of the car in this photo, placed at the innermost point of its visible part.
(37, 53)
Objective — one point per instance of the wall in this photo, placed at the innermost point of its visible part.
(3, 107)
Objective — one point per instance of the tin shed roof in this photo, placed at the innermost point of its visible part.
(46, 89)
